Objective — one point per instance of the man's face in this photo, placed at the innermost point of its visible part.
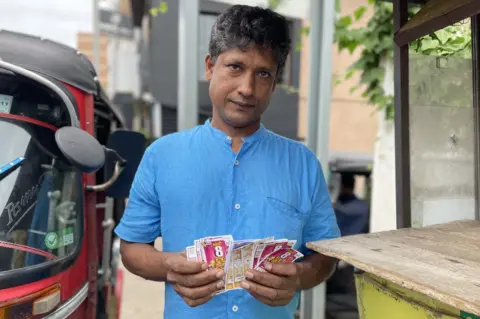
(241, 83)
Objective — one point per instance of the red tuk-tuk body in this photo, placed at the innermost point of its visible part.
(61, 188)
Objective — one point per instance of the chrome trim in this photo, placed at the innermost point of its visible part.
(71, 305)
(36, 77)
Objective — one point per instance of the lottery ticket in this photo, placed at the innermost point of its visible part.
(215, 250)
(247, 256)
(260, 245)
(236, 257)
(238, 269)
(282, 255)
(230, 274)
(274, 246)
(191, 253)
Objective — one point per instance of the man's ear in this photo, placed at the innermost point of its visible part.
(209, 64)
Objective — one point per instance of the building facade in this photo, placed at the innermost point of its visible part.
(353, 122)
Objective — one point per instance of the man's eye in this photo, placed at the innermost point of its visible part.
(234, 67)
(264, 74)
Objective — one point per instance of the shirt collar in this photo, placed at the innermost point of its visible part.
(259, 134)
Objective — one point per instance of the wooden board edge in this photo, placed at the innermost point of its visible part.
(387, 275)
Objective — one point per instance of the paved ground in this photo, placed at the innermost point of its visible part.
(141, 299)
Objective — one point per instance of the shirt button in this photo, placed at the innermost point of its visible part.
(237, 162)
(235, 308)
(237, 206)
(229, 138)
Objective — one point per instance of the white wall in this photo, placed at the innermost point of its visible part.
(58, 20)
(383, 206)
(123, 75)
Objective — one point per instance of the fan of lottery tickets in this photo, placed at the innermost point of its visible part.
(236, 257)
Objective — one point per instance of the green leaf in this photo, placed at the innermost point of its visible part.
(154, 11)
(443, 36)
(429, 44)
(349, 74)
(299, 47)
(346, 21)
(304, 30)
(337, 6)
(273, 4)
(163, 7)
(359, 12)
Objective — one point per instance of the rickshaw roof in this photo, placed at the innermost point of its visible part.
(350, 162)
(50, 58)
(55, 60)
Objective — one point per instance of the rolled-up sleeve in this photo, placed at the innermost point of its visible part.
(141, 220)
(321, 223)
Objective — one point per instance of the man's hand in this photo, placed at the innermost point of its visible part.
(191, 280)
(276, 287)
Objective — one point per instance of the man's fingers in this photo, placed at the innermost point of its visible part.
(287, 270)
(197, 302)
(196, 280)
(198, 293)
(274, 303)
(180, 264)
(265, 279)
(266, 292)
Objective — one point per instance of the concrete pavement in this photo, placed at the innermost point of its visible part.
(141, 299)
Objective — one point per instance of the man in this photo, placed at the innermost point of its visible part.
(230, 176)
(352, 212)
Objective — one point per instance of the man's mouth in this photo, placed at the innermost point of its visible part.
(242, 104)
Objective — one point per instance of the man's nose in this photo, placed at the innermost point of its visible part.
(247, 85)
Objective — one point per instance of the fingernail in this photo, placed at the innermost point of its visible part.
(220, 284)
(204, 266)
(249, 275)
(220, 274)
(268, 266)
(245, 285)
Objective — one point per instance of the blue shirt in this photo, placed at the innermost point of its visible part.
(191, 184)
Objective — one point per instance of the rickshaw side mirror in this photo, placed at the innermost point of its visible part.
(80, 148)
(130, 146)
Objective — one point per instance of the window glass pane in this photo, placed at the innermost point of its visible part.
(40, 200)
(442, 152)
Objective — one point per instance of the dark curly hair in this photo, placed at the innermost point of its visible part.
(241, 25)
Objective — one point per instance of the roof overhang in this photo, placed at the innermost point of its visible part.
(436, 15)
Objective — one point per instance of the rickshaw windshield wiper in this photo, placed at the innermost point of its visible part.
(10, 167)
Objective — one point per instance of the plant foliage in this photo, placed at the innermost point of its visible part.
(375, 42)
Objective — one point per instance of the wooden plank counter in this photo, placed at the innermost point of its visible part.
(441, 261)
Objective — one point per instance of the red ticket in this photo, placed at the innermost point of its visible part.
(282, 255)
(215, 251)
(274, 246)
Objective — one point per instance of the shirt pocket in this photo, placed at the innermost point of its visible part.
(284, 220)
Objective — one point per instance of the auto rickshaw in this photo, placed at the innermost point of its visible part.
(66, 166)
(341, 296)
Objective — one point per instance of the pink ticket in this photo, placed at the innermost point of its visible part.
(282, 255)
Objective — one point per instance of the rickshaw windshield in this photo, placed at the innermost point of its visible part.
(40, 195)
